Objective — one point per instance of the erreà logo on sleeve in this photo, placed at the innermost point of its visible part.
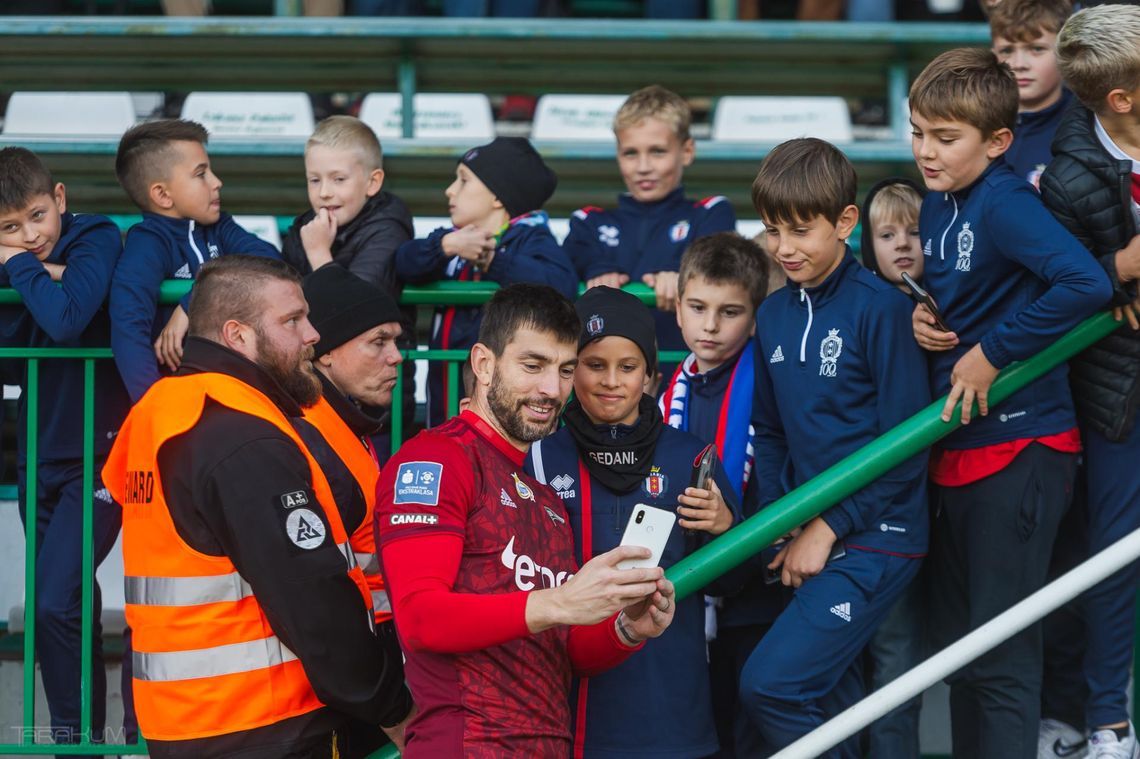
(528, 573)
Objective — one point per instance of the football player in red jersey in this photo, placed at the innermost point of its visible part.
(494, 614)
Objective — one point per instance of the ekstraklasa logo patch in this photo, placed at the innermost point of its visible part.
(418, 482)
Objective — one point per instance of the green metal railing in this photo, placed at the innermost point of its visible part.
(692, 573)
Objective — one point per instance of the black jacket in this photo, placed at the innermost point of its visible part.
(222, 481)
(1089, 192)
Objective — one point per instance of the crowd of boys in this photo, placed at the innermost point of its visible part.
(1026, 222)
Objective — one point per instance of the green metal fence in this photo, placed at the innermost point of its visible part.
(692, 573)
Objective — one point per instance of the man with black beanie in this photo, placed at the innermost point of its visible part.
(498, 233)
(356, 359)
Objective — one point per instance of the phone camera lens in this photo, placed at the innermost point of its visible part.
(640, 517)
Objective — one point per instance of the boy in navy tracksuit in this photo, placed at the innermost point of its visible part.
(498, 234)
(722, 280)
(41, 244)
(164, 169)
(1009, 281)
(836, 367)
(614, 453)
(1093, 188)
(643, 238)
(1024, 34)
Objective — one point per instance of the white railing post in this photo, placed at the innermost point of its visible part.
(954, 657)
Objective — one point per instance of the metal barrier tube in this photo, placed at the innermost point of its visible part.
(31, 515)
(955, 656)
(87, 613)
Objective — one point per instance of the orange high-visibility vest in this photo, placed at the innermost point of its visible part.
(365, 470)
(206, 661)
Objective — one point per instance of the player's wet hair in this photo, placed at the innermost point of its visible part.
(519, 306)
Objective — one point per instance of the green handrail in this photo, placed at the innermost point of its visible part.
(856, 471)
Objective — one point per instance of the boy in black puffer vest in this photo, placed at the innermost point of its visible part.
(1093, 188)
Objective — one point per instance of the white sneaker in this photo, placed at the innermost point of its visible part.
(1105, 745)
(1056, 739)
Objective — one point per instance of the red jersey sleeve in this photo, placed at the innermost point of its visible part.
(425, 489)
(595, 648)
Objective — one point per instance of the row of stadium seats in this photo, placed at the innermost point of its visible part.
(448, 116)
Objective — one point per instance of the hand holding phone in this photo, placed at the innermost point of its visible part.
(921, 296)
(650, 528)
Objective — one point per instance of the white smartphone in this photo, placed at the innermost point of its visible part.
(648, 527)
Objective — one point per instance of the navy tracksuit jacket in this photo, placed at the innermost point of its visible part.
(159, 248)
(643, 238)
(526, 252)
(1009, 276)
(1032, 147)
(70, 314)
(657, 702)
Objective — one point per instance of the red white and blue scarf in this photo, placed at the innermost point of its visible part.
(733, 430)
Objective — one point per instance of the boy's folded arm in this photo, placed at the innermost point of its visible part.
(538, 260)
(64, 311)
(237, 239)
(133, 308)
(422, 260)
(1028, 234)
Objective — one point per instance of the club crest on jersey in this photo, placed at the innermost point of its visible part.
(656, 483)
(522, 488)
(594, 325)
(829, 351)
(608, 235)
(965, 247)
(679, 231)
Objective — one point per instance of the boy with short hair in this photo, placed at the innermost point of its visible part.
(835, 368)
(889, 242)
(499, 233)
(1009, 281)
(643, 238)
(1024, 36)
(41, 243)
(722, 280)
(353, 222)
(1093, 188)
(164, 169)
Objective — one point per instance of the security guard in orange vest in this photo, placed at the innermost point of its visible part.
(356, 360)
(253, 623)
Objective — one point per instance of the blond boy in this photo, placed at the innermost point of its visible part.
(642, 239)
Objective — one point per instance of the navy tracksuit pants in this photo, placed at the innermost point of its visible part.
(1114, 511)
(59, 567)
(808, 668)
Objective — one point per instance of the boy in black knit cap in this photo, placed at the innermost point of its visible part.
(499, 233)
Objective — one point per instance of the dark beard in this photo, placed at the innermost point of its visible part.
(300, 383)
(508, 413)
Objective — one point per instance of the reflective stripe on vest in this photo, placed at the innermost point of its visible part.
(211, 662)
(206, 659)
(358, 458)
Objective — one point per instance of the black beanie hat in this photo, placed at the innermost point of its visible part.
(342, 306)
(606, 311)
(514, 172)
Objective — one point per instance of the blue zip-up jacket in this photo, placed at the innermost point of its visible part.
(656, 703)
(644, 238)
(68, 315)
(526, 252)
(159, 248)
(836, 367)
(1009, 276)
(1032, 147)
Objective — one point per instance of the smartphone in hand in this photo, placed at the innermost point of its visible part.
(647, 527)
(702, 467)
(923, 297)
